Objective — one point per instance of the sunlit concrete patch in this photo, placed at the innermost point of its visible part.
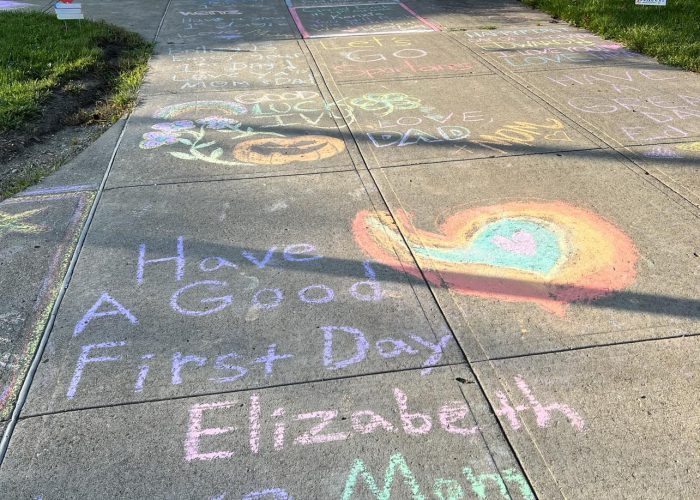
(211, 22)
(537, 253)
(627, 105)
(409, 122)
(550, 47)
(37, 237)
(230, 135)
(590, 419)
(229, 66)
(395, 435)
(200, 288)
(676, 164)
(393, 57)
(477, 14)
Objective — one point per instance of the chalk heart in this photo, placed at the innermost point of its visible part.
(521, 242)
(549, 253)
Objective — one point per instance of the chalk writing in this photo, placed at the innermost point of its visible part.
(263, 144)
(444, 489)
(547, 253)
(348, 20)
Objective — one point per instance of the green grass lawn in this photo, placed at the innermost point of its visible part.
(670, 33)
(40, 54)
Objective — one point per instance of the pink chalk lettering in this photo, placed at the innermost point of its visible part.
(179, 260)
(375, 422)
(543, 413)
(119, 310)
(397, 348)
(507, 411)
(407, 419)
(179, 361)
(361, 347)
(260, 264)
(328, 297)
(279, 296)
(279, 429)
(437, 351)
(195, 432)
(290, 253)
(314, 436)
(84, 359)
(271, 358)
(254, 423)
(220, 364)
(223, 301)
(211, 264)
(452, 413)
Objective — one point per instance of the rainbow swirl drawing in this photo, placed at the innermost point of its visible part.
(547, 253)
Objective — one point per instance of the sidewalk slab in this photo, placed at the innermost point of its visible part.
(37, 237)
(478, 14)
(241, 66)
(264, 267)
(129, 14)
(318, 21)
(628, 105)
(635, 403)
(543, 252)
(675, 164)
(393, 57)
(219, 135)
(209, 23)
(235, 444)
(544, 48)
(446, 119)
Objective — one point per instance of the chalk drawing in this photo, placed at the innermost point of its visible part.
(387, 103)
(12, 375)
(258, 145)
(547, 253)
(398, 464)
(661, 152)
(17, 223)
(693, 147)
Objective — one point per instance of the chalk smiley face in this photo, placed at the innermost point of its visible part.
(547, 253)
(283, 150)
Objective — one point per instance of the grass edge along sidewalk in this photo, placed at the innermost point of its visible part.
(670, 33)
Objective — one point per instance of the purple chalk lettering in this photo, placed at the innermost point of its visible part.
(143, 373)
(398, 347)
(92, 313)
(361, 347)
(83, 360)
(408, 419)
(220, 364)
(195, 432)
(260, 264)
(290, 253)
(371, 283)
(321, 300)
(224, 301)
(179, 361)
(452, 413)
(437, 351)
(179, 261)
(279, 296)
(215, 263)
(271, 493)
(271, 358)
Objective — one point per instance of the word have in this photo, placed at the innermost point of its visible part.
(453, 417)
(231, 367)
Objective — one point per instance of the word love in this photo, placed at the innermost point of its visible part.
(342, 347)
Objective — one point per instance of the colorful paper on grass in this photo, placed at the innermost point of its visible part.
(548, 253)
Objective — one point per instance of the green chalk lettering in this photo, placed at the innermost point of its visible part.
(397, 461)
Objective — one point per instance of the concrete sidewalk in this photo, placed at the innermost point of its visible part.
(363, 249)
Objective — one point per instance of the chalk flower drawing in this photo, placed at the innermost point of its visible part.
(547, 253)
(386, 103)
(271, 149)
